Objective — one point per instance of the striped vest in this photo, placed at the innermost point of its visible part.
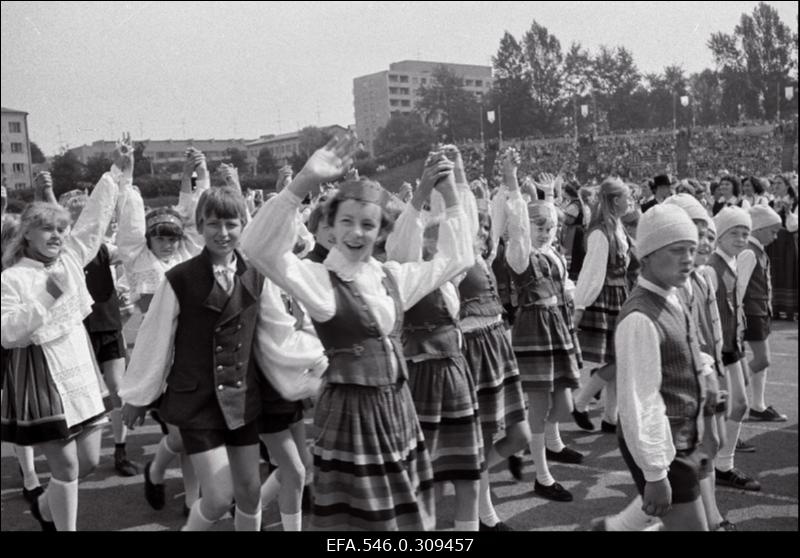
(429, 329)
(680, 362)
(538, 282)
(618, 259)
(700, 303)
(358, 353)
(730, 314)
(758, 296)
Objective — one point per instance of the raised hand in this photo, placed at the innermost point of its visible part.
(330, 162)
(42, 182)
(284, 177)
(510, 162)
(123, 155)
(405, 192)
(352, 174)
(230, 174)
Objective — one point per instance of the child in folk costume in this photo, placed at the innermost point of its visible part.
(371, 465)
(543, 338)
(659, 371)
(599, 294)
(490, 356)
(733, 226)
(149, 245)
(754, 286)
(441, 385)
(52, 389)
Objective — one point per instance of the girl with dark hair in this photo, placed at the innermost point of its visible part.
(728, 193)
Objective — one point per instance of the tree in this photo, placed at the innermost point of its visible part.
(544, 60)
(265, 163)
(37, 156)
(448, 108)
(238, 159)
(311, 139)
(96, 165)
(141, 164)
(511, 88)
(405, 137)
(67, 172)
(706, 92)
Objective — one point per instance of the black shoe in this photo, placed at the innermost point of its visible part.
(744, 447)
(566, 455)
(32, 494)
(597, 395)
(582, 420)
(726, 525)
(37, 514)
(608, 428)
(124, 466)
(554, 492)
(737, 479)
(768, 415)
(515, 466)
(155, 494)
(307, 501)
(499, 526)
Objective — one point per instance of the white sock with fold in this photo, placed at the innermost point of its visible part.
(292, 521)
(759, 382)
(632, 518)
(540, 460)
(552, 437)
(586, 394)
(610, 410)
(466, 525)
(197, 521)
(161, 460)
(62, 499)
(25, 456)
(486, 510)
(724, 460)
(247, 522)
(191, 484)
(270, 489)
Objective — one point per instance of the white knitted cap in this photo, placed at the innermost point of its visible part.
(690, 205)
(764, 216)
(662, 225)
(732, 216)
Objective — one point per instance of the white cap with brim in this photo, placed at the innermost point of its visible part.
(662, 225)
(763, 216)
(732, 216)
(690, 205)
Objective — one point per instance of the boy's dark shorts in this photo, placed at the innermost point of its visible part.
(757, 328)
(197, 440)
(108, 345)
(272, 424)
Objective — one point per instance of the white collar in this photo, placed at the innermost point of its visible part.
(731, 261)
(347, 270)
(230, 266)
(650, 286)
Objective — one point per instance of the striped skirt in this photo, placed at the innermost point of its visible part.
(546, 353)
(447, 407)
(490, 359)
(31, 410)
(372, 470)
(596, 332)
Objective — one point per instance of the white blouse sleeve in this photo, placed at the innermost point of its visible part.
(268, 241)
(454, 255)
(131, 227)
(593, 272)
(89, 231)
(151, 359)
(518, 248)
(22, 312)
(497, 211)
(187, 206)
(404, 243)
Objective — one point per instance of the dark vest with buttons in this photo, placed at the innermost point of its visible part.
(538, 281)
(213, 383)
(730, 315)
(680, 362)
(618, 259)
(501, 278)
(759, 290)
(429, 329)
(700, 303)
(478, 292)
(356, 350)
(100, 283)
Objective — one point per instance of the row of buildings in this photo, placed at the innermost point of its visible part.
(376, 97)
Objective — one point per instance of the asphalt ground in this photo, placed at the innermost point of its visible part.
(601, 485)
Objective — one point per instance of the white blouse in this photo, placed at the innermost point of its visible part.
(593, 273)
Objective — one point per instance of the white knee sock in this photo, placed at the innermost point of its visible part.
(724, 461)
(610, 410)
(191, 485)
(759, 382)
(466, 525)
(632, 518)
(246, 522)
(161, 460)
(540, 460)
(493, 458)
(117, 426)
(270, 489)
(486, 510)
(586, 394)
(291, 521)
(196, 520)
(30, 479)
(552, 437)
(62, 500)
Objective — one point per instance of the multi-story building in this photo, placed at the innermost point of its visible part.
(283, 146)
(377, 96)
(16, 149)
(161, 152)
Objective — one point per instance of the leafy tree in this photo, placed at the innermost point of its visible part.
(238, 158)
(405, 136)
(266, 161)
(141, 164)
(67, 172)
(511, 90)
(96, 165)
(37, 156)
(447, 107)
(706, 93)
(544, 60)
(311, 139)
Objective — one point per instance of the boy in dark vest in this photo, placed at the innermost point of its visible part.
(659, 369)
(755, 291)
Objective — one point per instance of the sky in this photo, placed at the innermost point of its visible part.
(90, 70)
